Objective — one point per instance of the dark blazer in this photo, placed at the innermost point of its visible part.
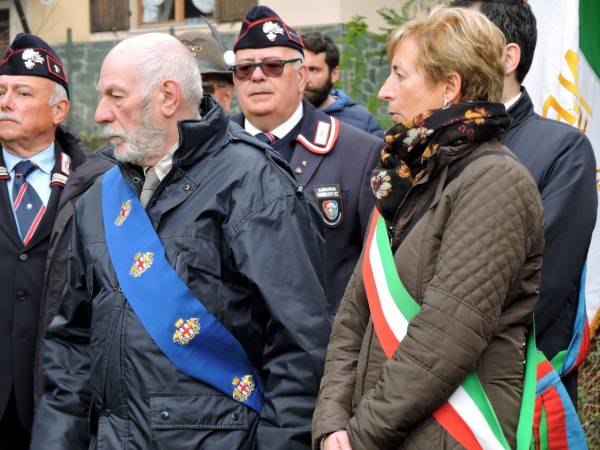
(23, 274)
(561, 160)
(333, 161)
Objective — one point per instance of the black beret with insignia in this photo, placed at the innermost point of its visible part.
(30, 55)
(263, 28)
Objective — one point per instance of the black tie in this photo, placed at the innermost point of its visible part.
(267, 138)
(27, 204)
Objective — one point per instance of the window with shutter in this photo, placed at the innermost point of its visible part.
(4, 30)
(109, 15)
(156, 11)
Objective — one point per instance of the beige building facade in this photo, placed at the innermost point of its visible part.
(51, 18)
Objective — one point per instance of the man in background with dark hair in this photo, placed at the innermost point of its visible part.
(323, 63)
(561, 160)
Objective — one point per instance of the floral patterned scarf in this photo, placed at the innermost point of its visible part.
(412, 147)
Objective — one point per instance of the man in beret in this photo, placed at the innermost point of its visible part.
(331, 160)
(43, 170)
(217, 80)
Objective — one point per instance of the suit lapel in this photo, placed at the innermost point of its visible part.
(304, 163)
(7, 222)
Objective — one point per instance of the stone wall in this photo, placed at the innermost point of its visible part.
(83, 61)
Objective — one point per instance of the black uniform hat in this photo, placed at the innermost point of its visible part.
(31, 55)
(263, 28)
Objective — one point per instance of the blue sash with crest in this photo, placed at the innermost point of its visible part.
(186, 332)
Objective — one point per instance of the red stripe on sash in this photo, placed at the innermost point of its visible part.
(384, 333)
(555, 418)
(543, 368)
(584, 347)
(449, 419)
(537, 418)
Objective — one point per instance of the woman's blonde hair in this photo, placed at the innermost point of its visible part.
(457, 40)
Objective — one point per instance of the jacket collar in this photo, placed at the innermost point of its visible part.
(522, 109)
(342, 101)
(319, 132)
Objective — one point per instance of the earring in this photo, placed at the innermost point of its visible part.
(445, 102)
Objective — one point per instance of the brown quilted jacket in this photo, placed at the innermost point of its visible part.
(473, 264)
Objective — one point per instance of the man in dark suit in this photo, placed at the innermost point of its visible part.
(43, 169)
(332, 161)
(561, 160)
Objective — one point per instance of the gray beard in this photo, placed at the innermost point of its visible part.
(143, 144)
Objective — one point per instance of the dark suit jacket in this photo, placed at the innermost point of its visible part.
(333, 161)
(23, 277)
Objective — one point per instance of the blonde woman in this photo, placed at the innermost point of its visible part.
(464, 221)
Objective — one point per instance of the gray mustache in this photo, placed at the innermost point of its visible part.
(10, 116)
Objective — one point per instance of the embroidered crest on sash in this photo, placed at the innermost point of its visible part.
(142, 262)
(242, 388)
(124, 213)
(271, 29)
(186, 330)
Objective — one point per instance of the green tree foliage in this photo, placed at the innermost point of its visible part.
(353, 57)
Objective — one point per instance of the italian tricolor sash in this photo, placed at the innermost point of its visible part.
(467, 415)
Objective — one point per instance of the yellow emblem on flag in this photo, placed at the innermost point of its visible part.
(124, 213)
(242, 388)
(186, 330)
(141, 263)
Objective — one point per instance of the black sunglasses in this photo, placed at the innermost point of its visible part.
(270, 67)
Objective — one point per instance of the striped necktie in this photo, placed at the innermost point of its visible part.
(267, 138)
(27, 204)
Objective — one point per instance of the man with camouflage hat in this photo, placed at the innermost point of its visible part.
(43, 170)
(217, 80)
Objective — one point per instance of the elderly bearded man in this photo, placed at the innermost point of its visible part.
(194, 314)
(43, 170)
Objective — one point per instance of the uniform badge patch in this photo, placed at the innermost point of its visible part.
(31, 58)
(271, 29)
(186, 330)
(329, 200)
(243, 388)
(124, 213)
(141, 263)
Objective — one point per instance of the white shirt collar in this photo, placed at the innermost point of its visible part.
(44, 160)
(283, 129)
(512, 101)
